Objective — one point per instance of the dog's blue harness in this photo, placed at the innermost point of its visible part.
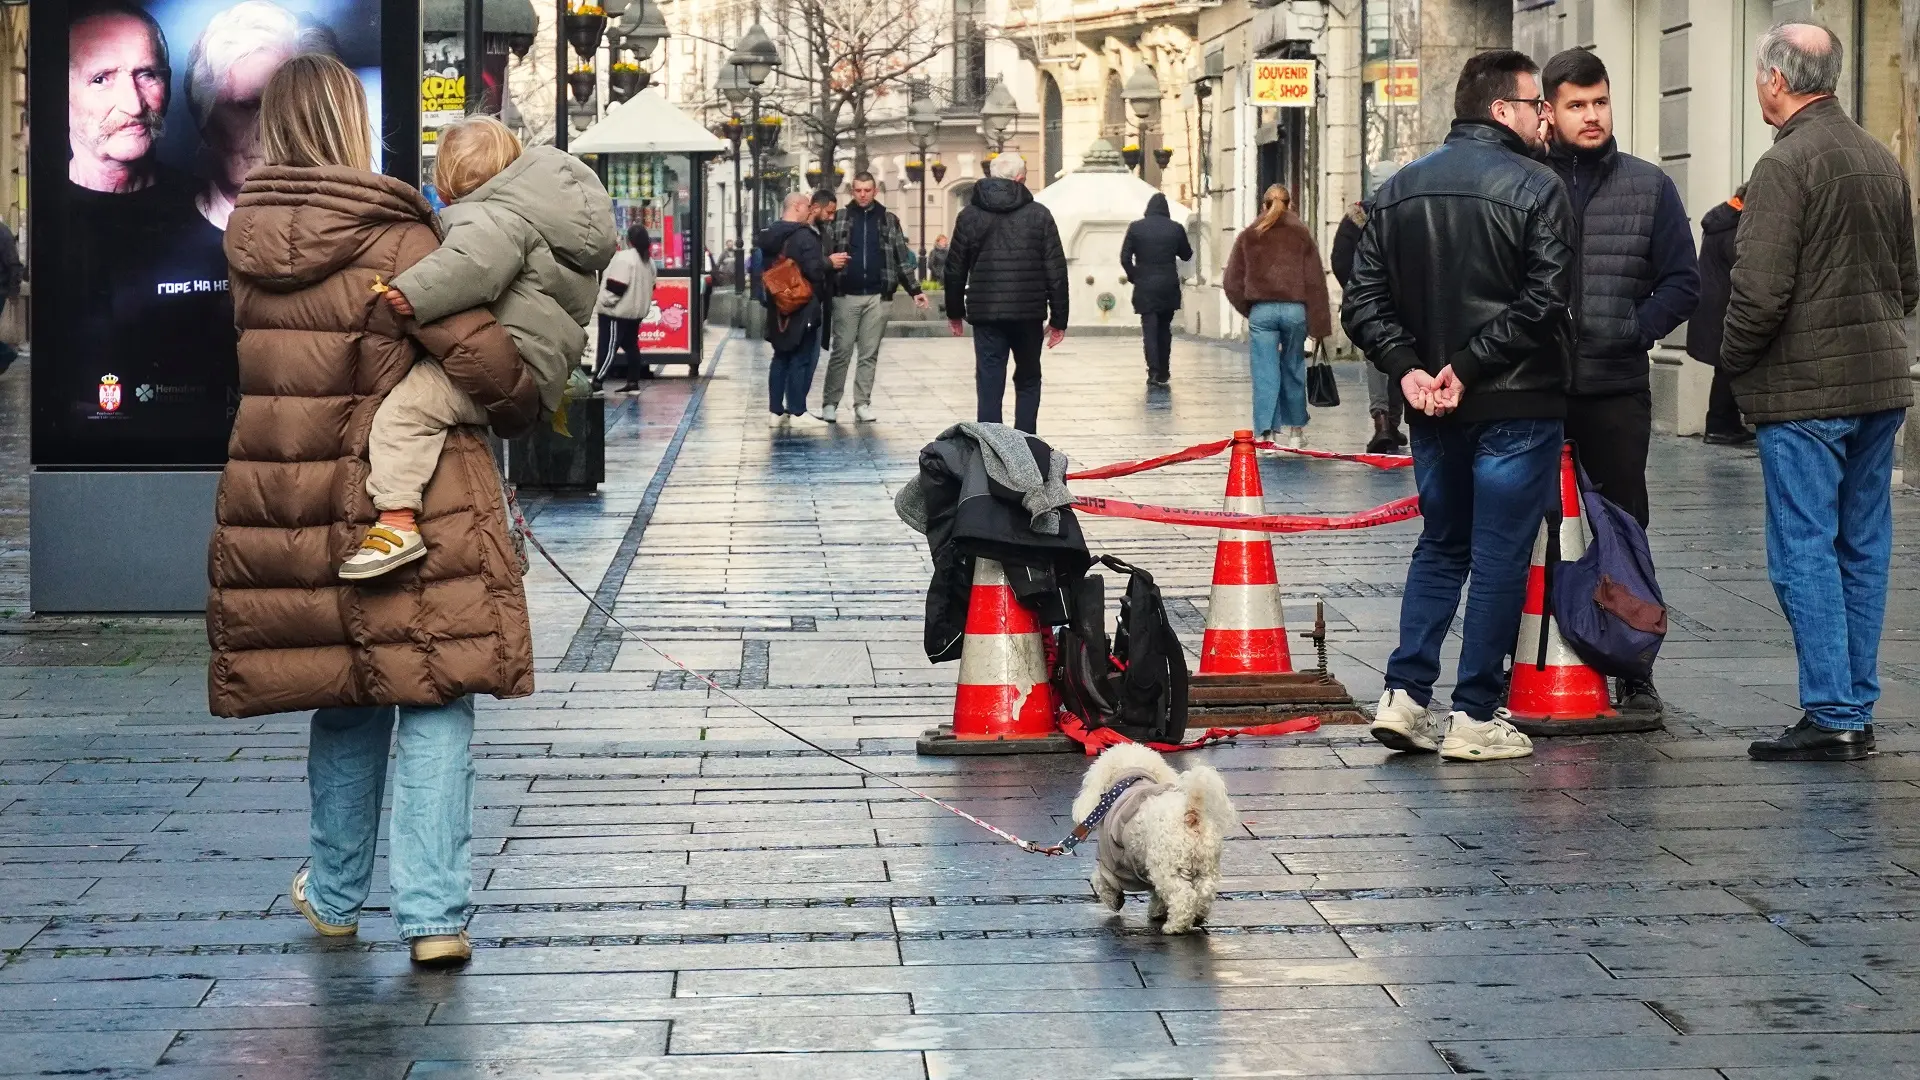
(1085, 828)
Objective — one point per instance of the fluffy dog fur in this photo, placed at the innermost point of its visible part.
(1173, 841)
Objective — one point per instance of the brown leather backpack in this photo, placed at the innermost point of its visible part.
(786, 286)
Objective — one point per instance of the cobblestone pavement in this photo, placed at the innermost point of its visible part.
(667, 889)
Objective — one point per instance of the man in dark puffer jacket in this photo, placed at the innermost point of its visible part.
(1007, 275)
(1636, 281)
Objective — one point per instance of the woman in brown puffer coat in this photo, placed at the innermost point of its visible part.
(314, 235)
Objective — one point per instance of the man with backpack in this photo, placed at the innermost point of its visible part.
(795, 279)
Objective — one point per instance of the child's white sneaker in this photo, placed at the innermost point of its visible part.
(382, 550)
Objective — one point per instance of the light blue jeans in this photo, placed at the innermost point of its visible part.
(430, 850)
(1278, 338)
(1829, 543)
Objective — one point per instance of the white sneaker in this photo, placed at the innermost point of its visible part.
(1402, 724)
(863, 413)
(383, 549)
(777, 420)
(1484, 740)
(831, 413)
(1297, 438)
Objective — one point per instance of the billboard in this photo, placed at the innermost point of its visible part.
(159, 102)
(668, 325)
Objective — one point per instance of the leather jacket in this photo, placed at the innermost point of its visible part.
(1467, 259)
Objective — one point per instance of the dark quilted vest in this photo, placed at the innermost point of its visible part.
(1616, 272)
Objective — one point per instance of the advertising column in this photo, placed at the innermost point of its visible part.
(134, 369)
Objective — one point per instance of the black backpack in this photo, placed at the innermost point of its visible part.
(1137, 685)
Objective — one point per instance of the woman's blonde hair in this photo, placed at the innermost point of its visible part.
(313, 113)
(1274, 204)
(472, 152)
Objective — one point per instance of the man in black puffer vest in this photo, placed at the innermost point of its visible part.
(1636, 281)
(1007, 275)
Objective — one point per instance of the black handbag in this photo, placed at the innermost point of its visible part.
(1322, 391)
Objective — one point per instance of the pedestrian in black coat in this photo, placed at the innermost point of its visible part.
(1709, 324)
(1006, 273)
(1150, 256)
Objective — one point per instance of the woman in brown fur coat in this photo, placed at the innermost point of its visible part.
(1276, 279)
(314, 237)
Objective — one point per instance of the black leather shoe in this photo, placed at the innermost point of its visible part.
(1808, 741)
(1727, 438)
(1639, 696)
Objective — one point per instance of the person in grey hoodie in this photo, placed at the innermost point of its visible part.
(527, 235)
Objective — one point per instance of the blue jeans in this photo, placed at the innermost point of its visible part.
(791, 376)
(1829, 541)
(430, 858)
(1484, 490)
(1277, 335)
(993, 342)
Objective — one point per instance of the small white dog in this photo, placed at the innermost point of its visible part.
(1162, 835)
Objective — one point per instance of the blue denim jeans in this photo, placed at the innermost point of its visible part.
(430, 858)
(791, 376)
(993, 342)
(1829, 541)
(1484, 490)
(1277, 338)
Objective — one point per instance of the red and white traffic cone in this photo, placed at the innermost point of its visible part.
(1553, 691)
(1246, 629)
(1004, 702)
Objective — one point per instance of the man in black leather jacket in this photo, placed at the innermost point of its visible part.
(1460, 294)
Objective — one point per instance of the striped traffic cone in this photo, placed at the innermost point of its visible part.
(1246, 631)
(1004, 702)
(1553, 691)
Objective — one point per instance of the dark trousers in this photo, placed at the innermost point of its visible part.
(1156, 331)
(1610, 433)
(619, 336)
(790, 376)
(992, 341)
(1723, 412)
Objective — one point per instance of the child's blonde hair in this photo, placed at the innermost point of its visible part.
(472, 151)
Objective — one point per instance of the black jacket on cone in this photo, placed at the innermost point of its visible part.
(1005, 263)
(1150, 255)
(1709, 324)
(797, 241)
(1467, 260)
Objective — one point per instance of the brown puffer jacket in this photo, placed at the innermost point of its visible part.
(1283, 264)
(318, 353)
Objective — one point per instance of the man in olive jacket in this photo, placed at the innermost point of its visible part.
(1823, 281)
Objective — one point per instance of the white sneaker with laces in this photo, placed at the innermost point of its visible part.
(776, 421)
(830, 413)
(1402, 724)
(1484, 740)
(863, 413)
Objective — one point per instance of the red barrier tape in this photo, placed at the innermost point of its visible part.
(1128, 468)
(1207, 450)
(1398, 510)
(1378, 461)
(1099, 739)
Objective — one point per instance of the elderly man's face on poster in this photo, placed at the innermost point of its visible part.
(116, 98)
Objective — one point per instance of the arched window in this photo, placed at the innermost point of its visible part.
(1052, 116)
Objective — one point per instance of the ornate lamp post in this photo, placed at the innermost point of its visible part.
(997, 114)
(1142, 94)
(924, 118)
(733, 129)
(640, 32)
(754, 59)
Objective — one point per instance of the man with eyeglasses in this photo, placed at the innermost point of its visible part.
(1459, 292)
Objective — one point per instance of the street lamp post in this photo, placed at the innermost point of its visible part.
(924, 117)
(997, 114)
(733, 129)
(1142, 94)
(1202, 94)
(754, 60)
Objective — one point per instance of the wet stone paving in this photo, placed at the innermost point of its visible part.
(667, 888)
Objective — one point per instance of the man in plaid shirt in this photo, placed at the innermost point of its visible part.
(877, 261)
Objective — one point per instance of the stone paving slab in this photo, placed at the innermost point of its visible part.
(666, 888)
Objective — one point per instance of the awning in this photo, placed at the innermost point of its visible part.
(646, 124)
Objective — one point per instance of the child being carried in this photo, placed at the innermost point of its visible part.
(526, 234)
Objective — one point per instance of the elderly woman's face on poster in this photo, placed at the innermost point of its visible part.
(232, 127)
(116, 98)
(232, 61)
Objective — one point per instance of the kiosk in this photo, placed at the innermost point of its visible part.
(653, 159)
